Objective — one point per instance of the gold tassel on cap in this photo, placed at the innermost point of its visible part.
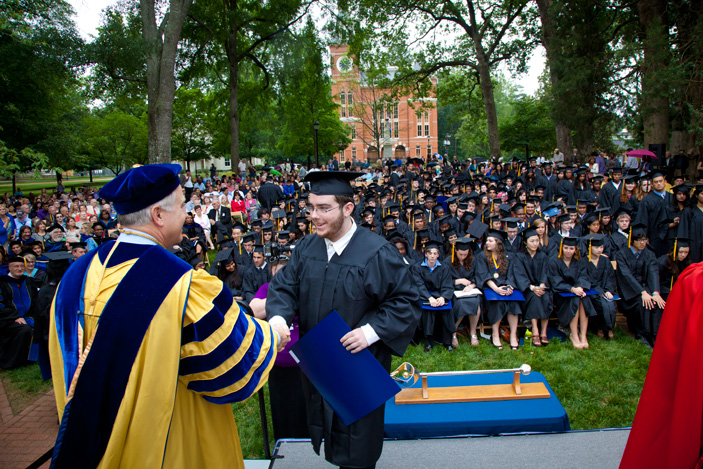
(629, 238)
(561, 245)
(453, 252)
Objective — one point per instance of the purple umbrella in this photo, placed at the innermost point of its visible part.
(641, 153)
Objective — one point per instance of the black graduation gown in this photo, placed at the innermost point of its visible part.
(469, 305)
(602, 279)
(562, 279)
(654, 213)
(533, 271)
(514, 246)
(666, 278)
(610, 196)
(550, 185)
(565, 191)
(635, 275)
(435, 283)
(618, 241)
(368, 284)
(495, 310)
(253, 278)
(691, 227)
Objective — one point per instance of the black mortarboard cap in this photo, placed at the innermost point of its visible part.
(283, 234)
(432, 244)
(511, 222)
(497, 234)
(224, 257)
(249, 237)
(463, 244)
(78, 245)
(332, 182)
(528, 232)
(278, 213)
(595, 239)
(259, 248)
(639, 231)
(59, 255)
(55, 226)
(570, 241)
(564, 217)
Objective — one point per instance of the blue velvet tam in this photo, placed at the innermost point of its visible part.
(141, 187)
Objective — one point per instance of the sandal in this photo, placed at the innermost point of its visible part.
(544, 339)
(499, 347)
(455, 342)
(474, 340)
(536, 341)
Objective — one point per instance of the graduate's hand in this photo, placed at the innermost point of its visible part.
(284, 332)
(20, 321)
(539, 291)
(440, 301)
(504, 291)
(354, 341)
(432, 301)
(659, 301)
(578, 291)
(647, 300)
(608, 295)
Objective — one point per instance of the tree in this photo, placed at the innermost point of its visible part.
(161, 47)
(528, 128)
(487, 33)
(190, 139)
(114, 139)
(231, 37)
(39, 59)
(306, 98)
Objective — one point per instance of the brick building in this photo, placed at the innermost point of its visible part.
(381, 127)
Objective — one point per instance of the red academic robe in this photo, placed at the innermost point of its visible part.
(667, 427)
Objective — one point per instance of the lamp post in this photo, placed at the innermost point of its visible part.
(316, 127)
(429, 149)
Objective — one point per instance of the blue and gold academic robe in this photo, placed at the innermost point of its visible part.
(171, 346)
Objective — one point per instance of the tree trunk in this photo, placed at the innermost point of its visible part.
(489, 103)
(162, 47)
(233, 59)
(655, 103)
(563, 132)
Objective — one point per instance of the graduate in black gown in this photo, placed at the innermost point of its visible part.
(258, 273)
(691, 225)
(363, 278)
(638, 283)
(611, 191)
(655, 213)
(620, 237)
(671, 265)
(464, 278)
(602, 276)
(567, 274)
(494, 270)
(433, 280)
(531, 279)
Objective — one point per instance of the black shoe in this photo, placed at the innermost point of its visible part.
(449, 348)
(428, 348)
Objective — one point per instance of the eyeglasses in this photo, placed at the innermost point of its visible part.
(322, 210)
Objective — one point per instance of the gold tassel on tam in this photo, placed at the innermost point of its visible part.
(561, 245)
(629, 238)
(589, 250)
(453, 253)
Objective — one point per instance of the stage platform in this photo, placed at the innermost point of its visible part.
(576, 449)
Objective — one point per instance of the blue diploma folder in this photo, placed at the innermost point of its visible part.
(588, 292)
(490, 295)
(354, 384)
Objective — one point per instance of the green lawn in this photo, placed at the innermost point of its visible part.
(37, 184)
(599, 387)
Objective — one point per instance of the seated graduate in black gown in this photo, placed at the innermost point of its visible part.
(258, 273)
(494, 270)
(531, 279)
(620, 237)
(691, 224)
(602, 276)
(672, 264)
(464, 278)
(434, 282)
(638, 283)
(567, 274)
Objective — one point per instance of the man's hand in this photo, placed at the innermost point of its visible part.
(20, 321)
(284, 332)
(659, 301)
(647, 300)
(354, 341)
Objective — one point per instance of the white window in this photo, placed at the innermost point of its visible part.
(353, 153)
(353, 134)
(418, 151)
(395, 111)
(341, 155)
(419, 128)
(343, 104)
(429, 151)
(427, 130)
(350, 103)
(395, 129)
(382, 127)
(228, 162)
